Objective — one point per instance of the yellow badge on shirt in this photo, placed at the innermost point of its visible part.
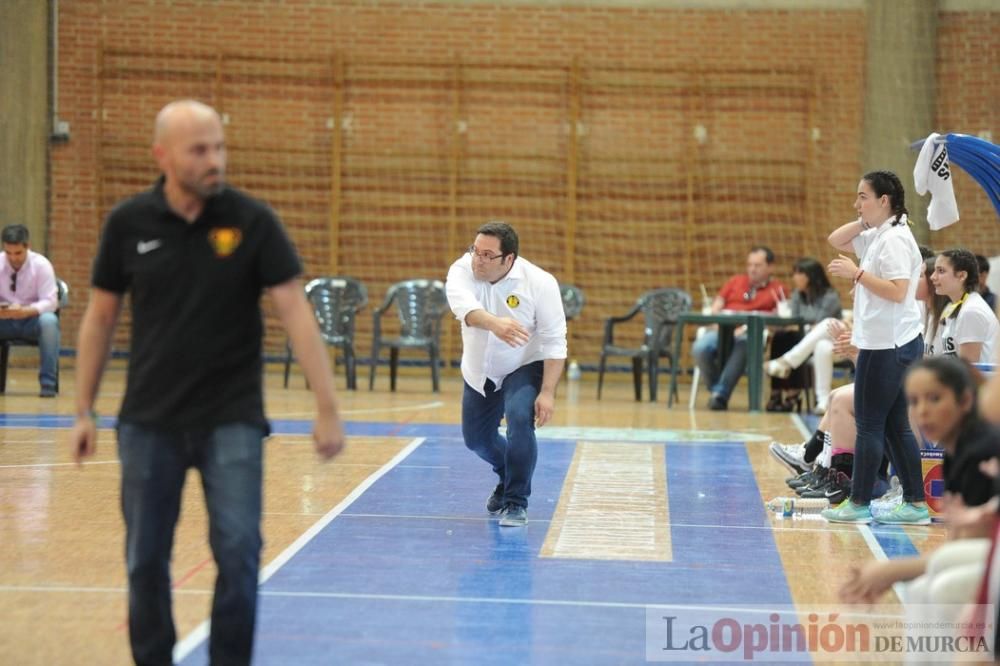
(225, 240)
(513, 301)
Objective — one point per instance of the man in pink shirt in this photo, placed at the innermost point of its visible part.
(29, 299)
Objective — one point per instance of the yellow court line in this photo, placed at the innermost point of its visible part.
(613, 505)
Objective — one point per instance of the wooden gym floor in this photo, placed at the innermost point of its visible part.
(386, 554)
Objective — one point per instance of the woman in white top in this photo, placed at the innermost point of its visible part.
(968, 327)
(887, 333)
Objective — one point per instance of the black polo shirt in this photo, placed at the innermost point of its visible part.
(195, 358)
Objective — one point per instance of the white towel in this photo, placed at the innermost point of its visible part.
(933, 172)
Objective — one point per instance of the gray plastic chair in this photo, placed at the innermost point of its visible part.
(336, 302)
(62, 291)
(660, 309)
(420, 305)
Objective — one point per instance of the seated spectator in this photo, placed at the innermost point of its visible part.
(968, 326)
(816, 301)
(754, 290)
(29, 299)
(984, 289)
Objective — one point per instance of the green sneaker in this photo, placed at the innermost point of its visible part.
(906, 514)
(848, 512)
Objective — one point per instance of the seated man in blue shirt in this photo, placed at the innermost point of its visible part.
(29, 299)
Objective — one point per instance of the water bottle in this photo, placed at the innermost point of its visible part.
(573, 372)
(789, 507)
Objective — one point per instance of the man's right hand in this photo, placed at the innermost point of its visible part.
(510, 331)
(83, 438)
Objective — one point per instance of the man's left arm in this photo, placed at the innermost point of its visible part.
(551, 329)
(545, 403)
(307, 344)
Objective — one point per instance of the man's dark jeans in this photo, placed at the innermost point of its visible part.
(512, 457)
(154, 465)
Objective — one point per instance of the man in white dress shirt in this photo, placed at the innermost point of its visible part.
(514, 348)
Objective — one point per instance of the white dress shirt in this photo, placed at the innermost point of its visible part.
(36, 283)
(527, 294)
(891, 253)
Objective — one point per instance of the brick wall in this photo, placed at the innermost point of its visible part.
(653, 206)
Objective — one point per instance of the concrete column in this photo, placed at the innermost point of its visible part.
(899, 92)
(24, 115)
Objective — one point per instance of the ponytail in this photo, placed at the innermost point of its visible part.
(886, 183)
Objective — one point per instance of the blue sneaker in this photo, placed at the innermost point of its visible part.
(906, 514)
(514, 516)
(848, 512)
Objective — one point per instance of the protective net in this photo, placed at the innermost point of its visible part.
(619, 178)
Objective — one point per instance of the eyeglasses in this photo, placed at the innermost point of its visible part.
(13, 281)
(485, 256)
(750, 294)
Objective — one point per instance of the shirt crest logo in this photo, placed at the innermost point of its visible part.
(513, 301)
(225, 240)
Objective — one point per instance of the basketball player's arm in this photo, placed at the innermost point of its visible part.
(970, 351)
(92, 349)
(890, 290)
(307, 344)
(842, 237)
(867, 583)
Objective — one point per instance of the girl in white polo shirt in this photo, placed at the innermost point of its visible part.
(887, 332)
(968, 326)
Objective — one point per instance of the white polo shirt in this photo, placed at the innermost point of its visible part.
(891, 253)
(527, 294)
(975, 323)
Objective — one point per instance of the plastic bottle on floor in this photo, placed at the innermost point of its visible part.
(788, 507)
(573, 371)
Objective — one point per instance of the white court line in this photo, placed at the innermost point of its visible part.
(432, 598)
(541, 602)
(706, 526)
(200, 633)
(801, 425)
(370, 410)
(65, 464)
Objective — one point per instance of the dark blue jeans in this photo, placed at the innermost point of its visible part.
(154, 464)
(706, 350)
(881, 417)
(44, 329)
(512, 458)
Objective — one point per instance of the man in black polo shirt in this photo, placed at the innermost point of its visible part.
(195, 255)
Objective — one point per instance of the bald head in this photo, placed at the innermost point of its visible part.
(189, 146)
(180, 115)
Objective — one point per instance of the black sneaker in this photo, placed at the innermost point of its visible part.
(514, 516)
(495, 503)
(717, 403)
(839, 488)
(819, 485)
(811, 477)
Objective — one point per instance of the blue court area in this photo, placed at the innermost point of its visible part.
(415, 571)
